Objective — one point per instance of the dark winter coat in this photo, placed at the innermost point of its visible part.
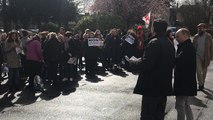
(127, 48)
(73, 50)
(155, 78)
(52, 50)
(1, 55)
(185, 70)
(112, 46)
(91, 52)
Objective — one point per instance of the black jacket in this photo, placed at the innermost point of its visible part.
(91, 52)
(73, 50)
(52, 50)
(155, 78)
(185, 70)
(112, 46)
(74, 47)
(127, 48)
(1, 54)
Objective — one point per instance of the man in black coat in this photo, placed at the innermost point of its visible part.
(155, 79)
(185, 74)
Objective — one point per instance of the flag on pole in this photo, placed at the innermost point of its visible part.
(147, 18)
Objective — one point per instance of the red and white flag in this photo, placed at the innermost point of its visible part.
(147, 18)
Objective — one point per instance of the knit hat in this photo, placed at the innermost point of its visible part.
(139, 27)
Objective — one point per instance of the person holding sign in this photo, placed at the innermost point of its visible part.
(91, 53)
(129, 47)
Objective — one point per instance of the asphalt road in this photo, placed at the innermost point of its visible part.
(109, 97)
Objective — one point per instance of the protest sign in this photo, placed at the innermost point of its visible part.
(130, 39)
(95, 42)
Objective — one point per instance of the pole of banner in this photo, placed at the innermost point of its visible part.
(151, 21)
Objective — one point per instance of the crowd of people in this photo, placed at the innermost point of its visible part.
(60, 56)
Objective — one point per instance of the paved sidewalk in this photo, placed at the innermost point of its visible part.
(202, 104)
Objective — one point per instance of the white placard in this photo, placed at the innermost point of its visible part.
(130, 39)
(133, 59)
(19, 51)
(72, 60)
(95, 42)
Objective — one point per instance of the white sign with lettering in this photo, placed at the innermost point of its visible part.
(130, 39)
(95, 42)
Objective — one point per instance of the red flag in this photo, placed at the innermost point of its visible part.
(146, 18)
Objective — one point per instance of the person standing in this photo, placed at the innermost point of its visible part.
(140, 41)
(80, 39)
(112, 50)
(11, 50)
(24, 39)
(204, 53)
(100, 48)
(73, 52)
(185, 84)
(4, 70)
(52, 55)
(155, 79)
(170, 35)
(34, 59)
(130, 47)
(1, 58)
(91, 55)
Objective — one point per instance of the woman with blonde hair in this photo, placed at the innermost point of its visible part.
(86, 32)
(52, 56)
(98, 34)
(112, 50)
(129, 47)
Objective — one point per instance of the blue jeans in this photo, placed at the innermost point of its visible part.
(183, 108)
